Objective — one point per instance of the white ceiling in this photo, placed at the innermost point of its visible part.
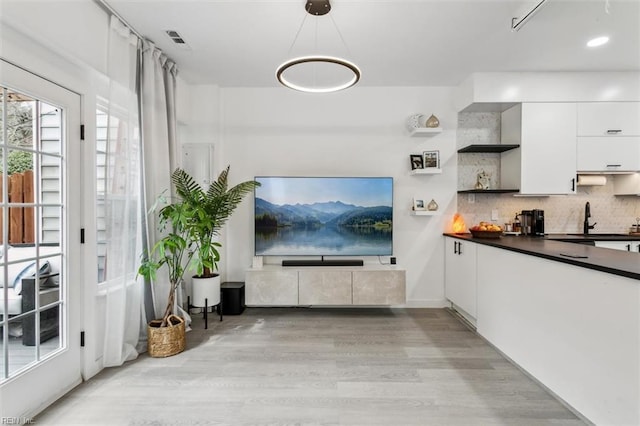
(239, 43)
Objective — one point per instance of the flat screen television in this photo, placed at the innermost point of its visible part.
(324, 216)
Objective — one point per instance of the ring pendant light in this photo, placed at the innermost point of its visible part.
(318, 8)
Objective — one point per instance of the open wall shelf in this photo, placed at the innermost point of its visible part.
(424, 213)
(425, 172)
(495, 148)
(487, 191)
(425, 131)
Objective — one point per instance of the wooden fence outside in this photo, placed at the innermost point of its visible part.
(21, 219)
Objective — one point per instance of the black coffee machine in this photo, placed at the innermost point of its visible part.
(532, 222)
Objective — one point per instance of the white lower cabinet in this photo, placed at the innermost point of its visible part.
(460, 275)
(620, 245)
(375, 285)
(576, 330)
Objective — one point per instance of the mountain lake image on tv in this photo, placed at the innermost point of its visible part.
(324, 216)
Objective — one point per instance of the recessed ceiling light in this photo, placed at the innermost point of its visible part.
(598, 41)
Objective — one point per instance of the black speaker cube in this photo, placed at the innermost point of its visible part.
(232, 297)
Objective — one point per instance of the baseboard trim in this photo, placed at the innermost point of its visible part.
(426, 303)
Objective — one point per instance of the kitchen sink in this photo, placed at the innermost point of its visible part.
(597, 235)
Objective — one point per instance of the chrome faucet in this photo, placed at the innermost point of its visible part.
(587, 215)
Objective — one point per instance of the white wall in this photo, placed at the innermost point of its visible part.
(74, 32)
(198, 112)
(357, 132)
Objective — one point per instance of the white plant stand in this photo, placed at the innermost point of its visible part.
(205, 293)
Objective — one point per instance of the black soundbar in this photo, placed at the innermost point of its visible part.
(324, 262)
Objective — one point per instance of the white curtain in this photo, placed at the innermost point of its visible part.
(158, 109)
(119, 192)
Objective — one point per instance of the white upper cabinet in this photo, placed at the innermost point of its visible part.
(606, 154)
(609, 119)
(608, 137)
(545, 163)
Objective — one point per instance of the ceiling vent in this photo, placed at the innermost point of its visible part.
(177, 39)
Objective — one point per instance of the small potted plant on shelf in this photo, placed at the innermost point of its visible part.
(166, 336)
(208, 211)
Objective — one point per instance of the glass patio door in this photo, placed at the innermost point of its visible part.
(40, 273)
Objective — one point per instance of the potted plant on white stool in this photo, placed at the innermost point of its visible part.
(210, 210)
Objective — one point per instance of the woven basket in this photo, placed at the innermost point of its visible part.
(166, 341)
(485, 234)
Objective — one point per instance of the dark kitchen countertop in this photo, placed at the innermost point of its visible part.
(618, 262)
(593, 237)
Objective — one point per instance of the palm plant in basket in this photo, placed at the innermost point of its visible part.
(208, 210)
(166, 336)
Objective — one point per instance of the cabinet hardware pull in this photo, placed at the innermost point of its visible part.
(459, 248)
(614, 165)
(455, 247)
(573, 184)
(614, 131)
(628, 247)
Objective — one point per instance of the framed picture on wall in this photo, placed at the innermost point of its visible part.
(431, 159)
(418, 204)
(416, 162)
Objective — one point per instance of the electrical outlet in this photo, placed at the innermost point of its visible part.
(471, 198)
(494, 214)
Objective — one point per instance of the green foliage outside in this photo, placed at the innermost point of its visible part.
(19, 133)
(18, 162)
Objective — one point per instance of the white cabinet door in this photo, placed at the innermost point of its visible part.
(609, 118)
(609, 154)
(460, 274)
(546, 161)
(548, 148)
(617, 245)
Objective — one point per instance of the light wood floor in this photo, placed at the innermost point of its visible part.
(303, 366)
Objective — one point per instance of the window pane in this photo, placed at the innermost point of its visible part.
(50, 129)
(51, 225)
(21, 354)
(20, 125)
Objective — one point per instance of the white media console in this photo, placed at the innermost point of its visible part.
(368, 285)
